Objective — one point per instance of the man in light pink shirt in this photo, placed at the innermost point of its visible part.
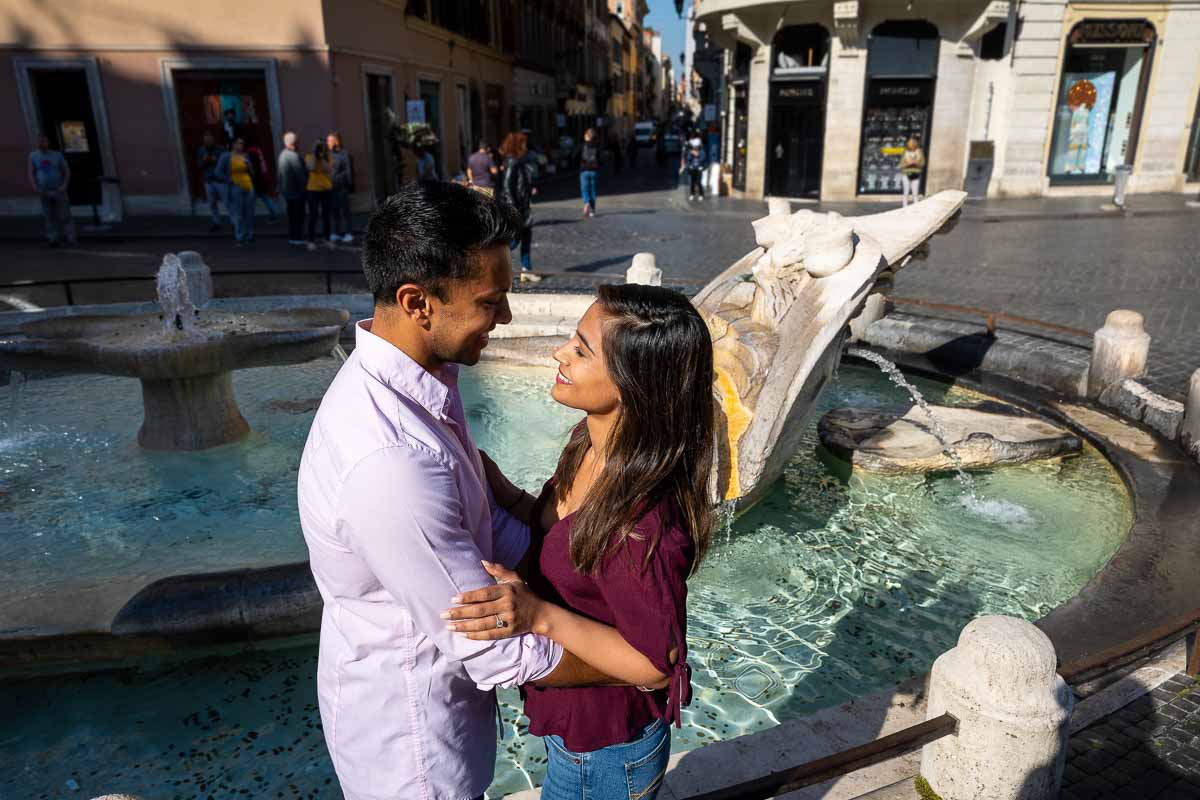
(397, 512)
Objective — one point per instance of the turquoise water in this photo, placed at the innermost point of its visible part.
(824, 591)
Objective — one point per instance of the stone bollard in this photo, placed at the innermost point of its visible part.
(644, 271)
(1119, 351)
(778, 205)
(1189, 432)
(1013, 714)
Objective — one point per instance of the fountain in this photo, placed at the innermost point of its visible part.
(778, 317)
(184, 357)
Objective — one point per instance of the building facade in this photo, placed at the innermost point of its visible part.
(1011, 99)
(128, 96)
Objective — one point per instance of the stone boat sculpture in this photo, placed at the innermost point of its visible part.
(779, 317)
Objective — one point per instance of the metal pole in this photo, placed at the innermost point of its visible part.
(1010, 30)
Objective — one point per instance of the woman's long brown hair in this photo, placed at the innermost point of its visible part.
(659, 354)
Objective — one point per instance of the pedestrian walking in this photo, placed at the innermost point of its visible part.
(343, 186)
(319, 192)
(481, 168)
(261, 175)
(215, 192)
(50, 177)
(589, 164)
(912, 164)
(694, 162)
(293, 183)
(236, 171)
(426, 166)
(517, 190)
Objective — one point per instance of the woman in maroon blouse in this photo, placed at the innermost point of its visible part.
(614, 536)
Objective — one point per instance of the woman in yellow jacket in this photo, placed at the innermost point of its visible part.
(319, 192)
(233, 168)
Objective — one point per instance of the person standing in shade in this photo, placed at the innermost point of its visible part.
(319, 191)
(694, 162)
(293, 183)
(481, 169)
(214, 191)
(235, 170)
(589, 164)
(261, 175)
(343, 185)
(50, 175)
(426, 166)
(517, 190)
(912, 164)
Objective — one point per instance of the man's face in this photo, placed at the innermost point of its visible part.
(43, 143)
(459, 326)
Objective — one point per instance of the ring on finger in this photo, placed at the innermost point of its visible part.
(500, 623)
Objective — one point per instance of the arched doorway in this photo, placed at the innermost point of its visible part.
(799, 72)
(902, 62)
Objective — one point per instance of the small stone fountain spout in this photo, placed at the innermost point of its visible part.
(778, 318)
(179, 315)
(185, 361)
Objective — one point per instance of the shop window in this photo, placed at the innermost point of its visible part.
(798, 48)
(1100, 98)
(902, 61)
(903, 47)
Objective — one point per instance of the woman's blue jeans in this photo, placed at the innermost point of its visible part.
(587, 187)
(630, 771)
(241, 211)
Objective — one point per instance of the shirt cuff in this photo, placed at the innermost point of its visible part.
(539, 657)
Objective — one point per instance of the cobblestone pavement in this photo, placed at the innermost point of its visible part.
(1064, 262)
(1149, 749)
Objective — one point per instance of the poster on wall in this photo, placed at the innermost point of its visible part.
(1082, 122)
(414, 110)
(73, 135)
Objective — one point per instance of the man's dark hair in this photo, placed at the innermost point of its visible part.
(429, 234)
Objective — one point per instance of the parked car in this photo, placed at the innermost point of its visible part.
(645, 133)
(672, 143)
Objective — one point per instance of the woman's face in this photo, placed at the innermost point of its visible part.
(238, 146)
(583, 381)
(911, 144)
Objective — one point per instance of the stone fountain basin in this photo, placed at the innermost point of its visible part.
(138, 347)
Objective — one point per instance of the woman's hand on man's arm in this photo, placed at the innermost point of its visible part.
(512, 602)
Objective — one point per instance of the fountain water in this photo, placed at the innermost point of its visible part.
(935, 426)
(173, 297)
(183, 357)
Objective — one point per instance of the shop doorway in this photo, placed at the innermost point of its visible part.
(65, 115)
(902, 61)
(381, 99)
(799, 69)
(228, 104)
(1098, 116)
(741, 130)
(1192, 167)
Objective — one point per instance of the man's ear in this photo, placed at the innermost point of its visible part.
(412, 302)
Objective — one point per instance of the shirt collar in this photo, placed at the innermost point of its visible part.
(396, 369)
